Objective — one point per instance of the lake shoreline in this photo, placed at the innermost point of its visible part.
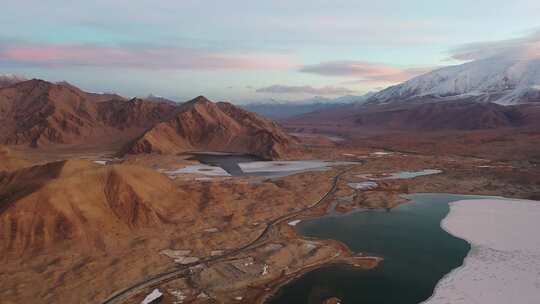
(406, 200)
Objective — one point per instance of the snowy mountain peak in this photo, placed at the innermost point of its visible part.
(501, 79)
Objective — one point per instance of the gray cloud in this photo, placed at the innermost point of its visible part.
(283, 89)
(523, 47)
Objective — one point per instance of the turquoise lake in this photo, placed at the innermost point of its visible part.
(417, 253)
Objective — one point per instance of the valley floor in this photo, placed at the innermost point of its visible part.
(228, 239)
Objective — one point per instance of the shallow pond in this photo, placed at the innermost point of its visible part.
(417, 253)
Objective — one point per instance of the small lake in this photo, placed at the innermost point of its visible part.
(417, 254)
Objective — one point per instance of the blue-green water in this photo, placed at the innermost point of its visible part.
(417, 254)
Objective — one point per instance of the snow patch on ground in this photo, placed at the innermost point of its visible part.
(333, 138)
(154, 295)
(412, 174)
(200, 169)
(179, 296)
(398, 175)
(288, 166)
(363, 186)
(294, 223)
(503, 265)
(380, 153)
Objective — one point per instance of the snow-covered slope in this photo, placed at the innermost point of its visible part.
(501, 80)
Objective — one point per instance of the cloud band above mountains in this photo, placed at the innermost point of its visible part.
(363, 71)
(527, 47)
(283, 89)
(136, 56)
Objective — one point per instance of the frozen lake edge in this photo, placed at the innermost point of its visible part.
(503, 265)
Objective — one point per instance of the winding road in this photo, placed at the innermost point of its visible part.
(184, 270)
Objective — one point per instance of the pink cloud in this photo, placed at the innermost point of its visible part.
(140, 57)
(364, 72)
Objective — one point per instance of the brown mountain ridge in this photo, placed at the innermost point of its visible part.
(203, 125)
(39, 114)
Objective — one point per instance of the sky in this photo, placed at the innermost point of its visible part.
(245, 51)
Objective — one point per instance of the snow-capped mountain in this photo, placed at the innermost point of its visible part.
(502, 80)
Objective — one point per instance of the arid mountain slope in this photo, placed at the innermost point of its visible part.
(443, 116)
(71, 203)
(9, 160)
(39, 113)
(203, 125)
(425, 116)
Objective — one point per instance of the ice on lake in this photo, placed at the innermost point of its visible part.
(398, 175)
(288, 166)
(412, 174)
(200, 169)
(503, 265)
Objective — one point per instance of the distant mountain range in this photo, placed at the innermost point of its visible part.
(496, 92)
(285, 109)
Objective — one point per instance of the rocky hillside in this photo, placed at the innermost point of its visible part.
(71, 203)
(201, 125)
(40, 113)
